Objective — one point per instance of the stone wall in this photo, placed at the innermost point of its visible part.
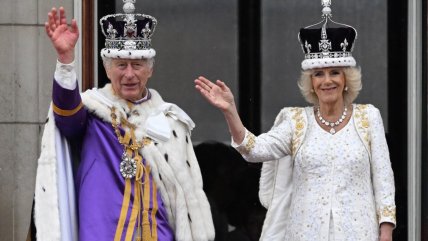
(27, 62)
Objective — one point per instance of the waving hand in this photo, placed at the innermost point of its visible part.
(220, 96)
(63, 37)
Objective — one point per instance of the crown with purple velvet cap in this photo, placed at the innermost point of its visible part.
(128, 35)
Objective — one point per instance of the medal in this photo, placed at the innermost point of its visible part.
(128, 166)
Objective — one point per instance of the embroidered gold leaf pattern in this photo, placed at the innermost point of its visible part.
(251, 142)
(299, 124)
(363, 123)
(388, 212)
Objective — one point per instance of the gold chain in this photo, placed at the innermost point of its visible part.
(134, 145)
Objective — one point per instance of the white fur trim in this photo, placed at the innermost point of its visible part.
(128, 54)
(55, 214)
(328, 62)
(46, 206)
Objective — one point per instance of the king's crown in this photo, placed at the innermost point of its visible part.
(128, 30)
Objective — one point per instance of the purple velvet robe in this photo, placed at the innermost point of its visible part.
(98, 181)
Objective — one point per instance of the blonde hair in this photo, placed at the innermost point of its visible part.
(352, 81)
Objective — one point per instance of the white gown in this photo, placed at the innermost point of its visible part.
(333, 190)
(338, 192)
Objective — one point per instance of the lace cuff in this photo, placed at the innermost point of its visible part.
(247, 144)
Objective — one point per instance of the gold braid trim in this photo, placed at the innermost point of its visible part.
(62, 112)
(124, 210)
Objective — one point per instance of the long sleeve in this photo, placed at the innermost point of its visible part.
(271, 145)
(70, 117)
(382, 174)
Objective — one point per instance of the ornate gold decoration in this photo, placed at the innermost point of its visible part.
(299, 123)
(387, 212)
(132, 166)
(362, 123)
(250, 143)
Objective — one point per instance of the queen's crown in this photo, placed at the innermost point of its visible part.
(327, 43)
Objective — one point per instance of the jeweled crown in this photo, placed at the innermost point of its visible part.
(128, 34)
(327, 46)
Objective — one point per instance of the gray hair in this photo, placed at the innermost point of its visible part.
(107, 61)
(352, 81)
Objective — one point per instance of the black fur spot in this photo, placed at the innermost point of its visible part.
(130, 53)
(156, 143)
(43, 188)
(187, 140)
(174, 133)
(188, 215)
(188, 163)
(160, 177)
(166, 156)
(47, 120)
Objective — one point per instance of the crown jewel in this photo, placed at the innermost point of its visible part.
(128, 34)
(327, 46)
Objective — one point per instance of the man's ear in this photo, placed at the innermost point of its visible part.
(150, 72)
(107, 69)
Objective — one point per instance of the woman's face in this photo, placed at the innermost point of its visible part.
(328, 84)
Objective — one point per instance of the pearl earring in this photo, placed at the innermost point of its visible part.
(312, 90)
(346, 88)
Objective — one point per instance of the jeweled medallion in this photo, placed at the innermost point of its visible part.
(128, 166)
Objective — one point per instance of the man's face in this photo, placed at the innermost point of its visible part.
(129, 77)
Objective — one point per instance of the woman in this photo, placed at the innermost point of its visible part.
(337, 183)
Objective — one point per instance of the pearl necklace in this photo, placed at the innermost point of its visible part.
(332, 124)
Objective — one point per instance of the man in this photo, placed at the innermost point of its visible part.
(138, 177)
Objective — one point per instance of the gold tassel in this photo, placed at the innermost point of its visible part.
(139, 216)
(146, 205)
(154, 211)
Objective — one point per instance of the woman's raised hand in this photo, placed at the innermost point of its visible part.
(63, 37)
(218, 94)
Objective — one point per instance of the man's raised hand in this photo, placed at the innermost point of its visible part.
(62, 36)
